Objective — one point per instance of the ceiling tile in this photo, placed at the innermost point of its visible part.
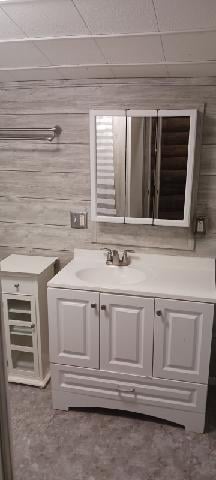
(20, 54)
(71, 51)
(183, 15)
(45, 18)
(206, 69)
(186, 47)
(139, 70)
(8, 29)
(48, 73)
(118, 16)
(99, 71)
(137, 49)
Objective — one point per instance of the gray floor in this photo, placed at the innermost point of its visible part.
(99, 445)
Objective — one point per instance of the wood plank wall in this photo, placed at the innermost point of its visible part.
(40, 183)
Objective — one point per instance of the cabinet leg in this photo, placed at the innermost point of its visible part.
(58, 402)
(196, 423)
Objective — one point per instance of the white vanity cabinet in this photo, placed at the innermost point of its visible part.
(24, 300)
(148, 355)
(126, 334)
(182, 340)
(74, 327)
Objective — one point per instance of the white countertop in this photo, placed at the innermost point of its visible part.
(178, 277)
(27, 264)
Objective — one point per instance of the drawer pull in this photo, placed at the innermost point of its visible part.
(16, 285)
(126, 389)
(93, 305)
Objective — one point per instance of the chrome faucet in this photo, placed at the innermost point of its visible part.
(113, 258)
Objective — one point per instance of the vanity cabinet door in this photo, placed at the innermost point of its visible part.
(126, 334)
(74, 327)
(182, 340)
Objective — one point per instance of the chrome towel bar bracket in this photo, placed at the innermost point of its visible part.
(30, 133)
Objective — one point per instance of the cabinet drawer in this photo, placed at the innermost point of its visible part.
(129, 388)
(20, 286)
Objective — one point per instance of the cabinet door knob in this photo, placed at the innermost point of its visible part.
(103, 307)
(16, 285)
(93, 305)
(159, 313)
(32, 326)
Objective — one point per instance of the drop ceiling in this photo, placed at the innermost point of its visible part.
(60, 39)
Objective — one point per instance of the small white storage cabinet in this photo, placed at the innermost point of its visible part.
(148, 355)
(24, 298)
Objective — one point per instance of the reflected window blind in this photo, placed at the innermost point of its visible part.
(106, 204)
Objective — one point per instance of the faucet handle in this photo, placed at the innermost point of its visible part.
(109, 257)
(125, 260)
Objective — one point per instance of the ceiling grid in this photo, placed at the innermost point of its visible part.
(51, 39)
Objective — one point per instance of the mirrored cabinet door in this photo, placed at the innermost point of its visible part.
(174, 167)
(108, 131)
(140, 165)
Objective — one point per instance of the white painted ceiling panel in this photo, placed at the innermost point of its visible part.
(140, 70)
(194, 47)
(192, 69)
(71, 51)
(48, 39)
(118, 16)
(20, 54)
(137, 49)
(180, 15)
(8, 29)
(44, 18)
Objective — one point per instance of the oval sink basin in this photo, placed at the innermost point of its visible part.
(111, 275)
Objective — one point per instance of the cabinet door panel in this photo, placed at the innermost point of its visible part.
(126, 327)
(73, 327)
(182, 340)
(21, 330)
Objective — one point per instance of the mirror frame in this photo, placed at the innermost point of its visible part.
(186, 222)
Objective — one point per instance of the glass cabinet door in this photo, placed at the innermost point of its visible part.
(140, 165)
(174, 167)
(21, 333)
(108, 150)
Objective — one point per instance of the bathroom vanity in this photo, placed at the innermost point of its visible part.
(134, 337)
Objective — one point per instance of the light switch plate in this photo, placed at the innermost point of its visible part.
(200, 226)
(79, 219)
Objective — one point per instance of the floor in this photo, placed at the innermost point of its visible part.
(104, 445)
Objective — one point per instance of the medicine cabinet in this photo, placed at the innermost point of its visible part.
(142, 164)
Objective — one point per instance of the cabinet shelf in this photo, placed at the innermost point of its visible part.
(19, 330)
(21, 348)
(19, 310)
(22, 360)
(21, 323)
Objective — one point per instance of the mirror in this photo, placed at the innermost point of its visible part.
(110, 165)
(143, 163)
(171, 167)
